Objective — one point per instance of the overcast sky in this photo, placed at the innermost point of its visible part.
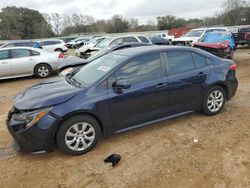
(143, 10)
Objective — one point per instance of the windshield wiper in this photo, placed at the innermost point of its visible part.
(75, 81)
(72, 81)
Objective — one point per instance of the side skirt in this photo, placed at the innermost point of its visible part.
(154, 121)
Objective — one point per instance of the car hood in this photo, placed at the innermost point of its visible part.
(72, 61)
(193, 39)
(48, 93)
(212, 45)
(86, 48)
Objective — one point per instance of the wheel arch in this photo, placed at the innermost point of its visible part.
(42, 63)
(67, 116)
(58, 49)
(223, 86)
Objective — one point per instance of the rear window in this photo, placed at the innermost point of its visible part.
(199, 60)
(47, 43)
(245, 29)
(179, 62)
(143, 39)
(130, 39)
(34, 53)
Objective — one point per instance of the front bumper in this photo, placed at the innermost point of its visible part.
(182, 43)
(39, 137)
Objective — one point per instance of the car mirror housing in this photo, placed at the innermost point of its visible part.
(120, 84)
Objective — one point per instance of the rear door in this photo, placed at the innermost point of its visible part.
(22, 62)
(49, 45)
(5, 69)
(188, 73)
(146, 99)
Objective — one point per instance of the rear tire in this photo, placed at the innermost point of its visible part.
(43, 71)
(78, 135)
(214, 101)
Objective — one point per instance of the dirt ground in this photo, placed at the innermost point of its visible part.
(161, 155)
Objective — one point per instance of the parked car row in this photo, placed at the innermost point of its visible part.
(87, 50)
(72, 62)
(51, 45)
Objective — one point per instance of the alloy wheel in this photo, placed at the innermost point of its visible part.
(215, 101)
(80, 136)
(43, 71)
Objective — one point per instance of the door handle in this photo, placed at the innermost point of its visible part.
(5, 62)
(160, 85)
(31, 59)
(201, 74)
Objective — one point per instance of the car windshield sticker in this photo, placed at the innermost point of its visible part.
(104, 68)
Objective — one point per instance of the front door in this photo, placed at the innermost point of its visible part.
(146, 99)
(22, 62)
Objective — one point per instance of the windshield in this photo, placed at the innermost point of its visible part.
(95, 70)
(104, 43)
(194, 33)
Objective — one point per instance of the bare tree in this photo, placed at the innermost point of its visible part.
(57, 22)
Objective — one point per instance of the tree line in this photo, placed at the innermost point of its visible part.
(24, 23)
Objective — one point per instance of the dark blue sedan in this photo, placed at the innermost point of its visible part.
(120, 91)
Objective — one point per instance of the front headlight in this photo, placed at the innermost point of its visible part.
(31, 117)
(65, 71)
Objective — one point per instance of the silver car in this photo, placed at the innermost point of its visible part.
(26, 61)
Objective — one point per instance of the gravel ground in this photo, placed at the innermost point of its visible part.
(161, 155)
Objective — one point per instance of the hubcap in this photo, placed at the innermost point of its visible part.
(80, 136)
(43, 71)
(215, 101)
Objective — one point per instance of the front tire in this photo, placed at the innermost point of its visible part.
(214, 101)
(78, 135)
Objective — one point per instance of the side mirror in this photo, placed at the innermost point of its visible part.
(120, 84)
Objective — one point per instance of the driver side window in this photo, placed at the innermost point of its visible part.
(141, 69)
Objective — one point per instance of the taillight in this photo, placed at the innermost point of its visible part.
(60, 56)
(245, 36)
(233, 67)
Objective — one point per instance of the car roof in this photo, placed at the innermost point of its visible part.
(19, 41)
(131, 52)
(136, 44)
(42, 40)
(23, 47)
(208, 28)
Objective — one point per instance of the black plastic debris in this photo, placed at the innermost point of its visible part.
(114, 159)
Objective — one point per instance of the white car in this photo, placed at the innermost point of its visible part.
(165, 36)
(77, 41)
(92, 43)
(53, 45)
(195, 35)
(87, 51)
(27, 61)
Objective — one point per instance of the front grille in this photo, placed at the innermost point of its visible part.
(13, 111)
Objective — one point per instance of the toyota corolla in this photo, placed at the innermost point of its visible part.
(118, 92)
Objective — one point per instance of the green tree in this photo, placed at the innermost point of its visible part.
(23, 23)
(169, 22)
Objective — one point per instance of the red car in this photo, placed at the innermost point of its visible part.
(220, 44)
